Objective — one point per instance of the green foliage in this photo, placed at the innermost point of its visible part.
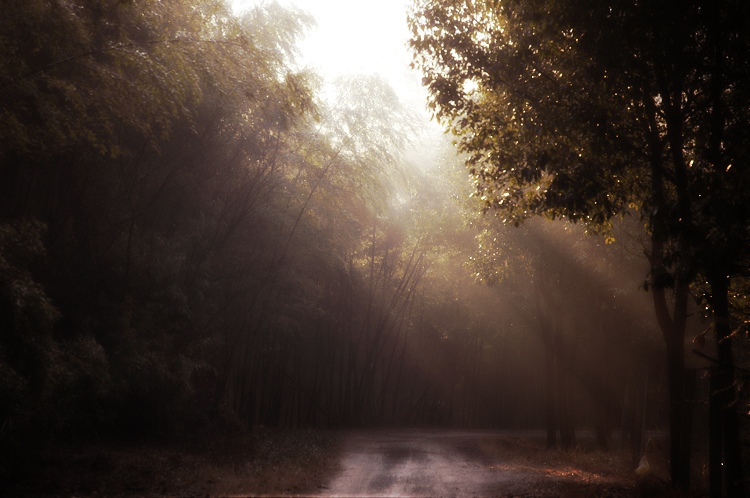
(543, 132)
(583, 110)
(591, 110)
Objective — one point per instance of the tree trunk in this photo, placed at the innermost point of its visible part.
(686, 439)
(676, 368)
(725, 438)
(550, 415)
(673, 330)
(672, 326)
(636, 418)
(715, 443)
(565, 418)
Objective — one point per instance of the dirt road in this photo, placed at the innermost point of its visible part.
(427, 463)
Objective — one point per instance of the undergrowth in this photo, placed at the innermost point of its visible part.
(261, 462)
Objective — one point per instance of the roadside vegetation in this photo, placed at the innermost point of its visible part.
(265, 462)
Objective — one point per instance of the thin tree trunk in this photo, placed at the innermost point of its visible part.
(550, 415)
(672, 327)
(565, 419)
(686, 438)
(673, 330)
(723, 396)
(715, 440)
(680, 460)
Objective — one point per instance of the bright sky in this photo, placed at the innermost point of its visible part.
(366, 37)
(358, 37)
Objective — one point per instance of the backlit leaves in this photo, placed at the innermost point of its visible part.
(534, 115)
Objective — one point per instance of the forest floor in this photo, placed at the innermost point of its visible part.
(338, 463)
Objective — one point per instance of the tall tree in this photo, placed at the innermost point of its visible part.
(140, 144)
(582, 110)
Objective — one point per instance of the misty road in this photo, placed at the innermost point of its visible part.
(456, 463)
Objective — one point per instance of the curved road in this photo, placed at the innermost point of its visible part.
(435, 463)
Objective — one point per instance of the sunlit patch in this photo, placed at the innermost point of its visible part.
(566, 473)
(470, 86)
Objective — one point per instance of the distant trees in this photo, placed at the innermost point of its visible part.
(580, 298)
(584, 110)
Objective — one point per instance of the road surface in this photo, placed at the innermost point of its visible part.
(451, 463)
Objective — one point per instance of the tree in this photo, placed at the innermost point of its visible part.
(583, 110)
(140, 147)
(580, 297)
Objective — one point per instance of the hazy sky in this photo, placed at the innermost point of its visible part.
(358, 36)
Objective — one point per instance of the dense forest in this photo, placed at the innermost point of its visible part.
(199, 234)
